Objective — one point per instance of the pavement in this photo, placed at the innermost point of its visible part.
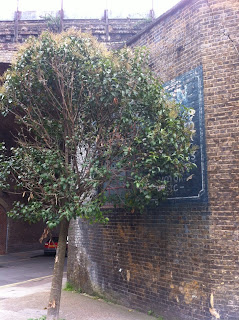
(29, 299)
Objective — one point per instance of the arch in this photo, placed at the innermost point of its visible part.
(3, 227)
(3, 204)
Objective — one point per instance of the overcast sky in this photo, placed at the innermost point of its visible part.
(87, 8)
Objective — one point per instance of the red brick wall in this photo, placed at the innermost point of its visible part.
(23, 236)
(173, 260)
(17, 235)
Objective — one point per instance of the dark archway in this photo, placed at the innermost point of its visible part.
(3, 230)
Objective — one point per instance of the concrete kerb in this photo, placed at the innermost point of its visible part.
(18, 256)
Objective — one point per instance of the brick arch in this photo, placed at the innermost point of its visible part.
(3, 229)
(3, 204)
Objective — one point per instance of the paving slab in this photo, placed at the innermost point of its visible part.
(29, 299)
(74, 306)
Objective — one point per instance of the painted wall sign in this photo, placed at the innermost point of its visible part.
(187, 89)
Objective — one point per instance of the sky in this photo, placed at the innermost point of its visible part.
(86, 8)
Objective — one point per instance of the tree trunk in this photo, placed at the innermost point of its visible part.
(56, 286)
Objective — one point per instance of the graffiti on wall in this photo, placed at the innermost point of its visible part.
(187, 90)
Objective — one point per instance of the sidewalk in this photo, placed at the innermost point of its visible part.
(29, 299)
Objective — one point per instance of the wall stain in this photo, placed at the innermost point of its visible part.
(187, 291)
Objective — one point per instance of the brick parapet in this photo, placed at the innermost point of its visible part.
(113, 32)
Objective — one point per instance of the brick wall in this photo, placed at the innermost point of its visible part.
(176, 259)
(220, 58)
(174, 40)
(156, 261)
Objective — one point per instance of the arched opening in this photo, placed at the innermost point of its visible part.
(3, 230)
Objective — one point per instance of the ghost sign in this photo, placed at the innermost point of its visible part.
(187, 90)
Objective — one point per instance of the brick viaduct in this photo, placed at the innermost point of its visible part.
(180, 260)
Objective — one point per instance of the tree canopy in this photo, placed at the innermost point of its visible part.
(89, 121)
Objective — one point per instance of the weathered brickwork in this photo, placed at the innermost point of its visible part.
(220, 58)
(181, 260)
(157, 261)
(174, 40)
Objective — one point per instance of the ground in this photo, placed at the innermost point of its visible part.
(25, 281)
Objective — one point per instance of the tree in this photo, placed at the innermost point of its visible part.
(88, 119)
